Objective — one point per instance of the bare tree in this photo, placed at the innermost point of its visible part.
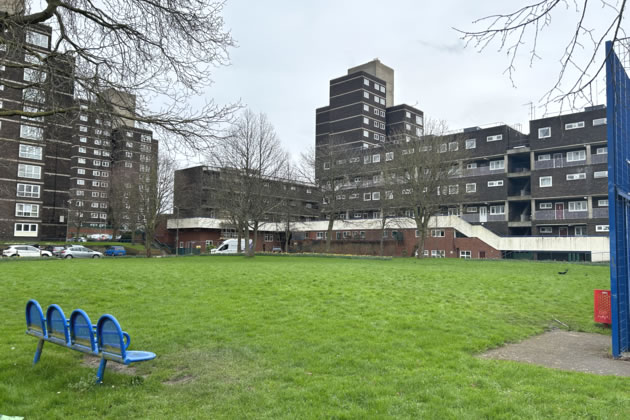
(421, 179)
(143, 62)
(582, 60)
(153, 197)
(254, 151)
(327, 168)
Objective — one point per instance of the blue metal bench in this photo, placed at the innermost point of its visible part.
(105, 339)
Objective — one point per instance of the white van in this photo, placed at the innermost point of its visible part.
(230, 246)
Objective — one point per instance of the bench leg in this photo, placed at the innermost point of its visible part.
(101, 371)
(38, 352)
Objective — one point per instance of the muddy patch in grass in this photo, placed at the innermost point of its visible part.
(93, 362)
(565, 350)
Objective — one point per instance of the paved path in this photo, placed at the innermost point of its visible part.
(565, 350)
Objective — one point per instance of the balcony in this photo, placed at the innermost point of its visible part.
(603, 158)
(600, 213)
(557, 163)
(560, 215)
(474, 217)
(484, 170)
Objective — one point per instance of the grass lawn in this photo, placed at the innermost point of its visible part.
(287, 337)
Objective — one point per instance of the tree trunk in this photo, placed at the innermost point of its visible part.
(422, 225)
(239, 236)
(331, 222)
(286, 236)
(246, 239)
(382, 241)
(252, 250)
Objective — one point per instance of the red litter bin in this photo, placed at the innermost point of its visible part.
(602, 307)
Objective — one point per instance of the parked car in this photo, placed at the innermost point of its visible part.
(55, 250)
(25, 251)
(78, 251)
(115, 251)
(76, 239)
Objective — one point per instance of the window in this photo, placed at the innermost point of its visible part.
(389, 156)
(465, 255)
(83, 117)
(30, 152)
(367, 196)
(599, 121)
(573, 126)
(83, 139)
(367, 159)
(578, 206)
(28, 190)
(545, 181)
(406, 191)
(366, 82)
(29, 171)
(146, 138)
(498, 183)
(453, 189)
(81, 160)
(320, 235)
(34, 95)
(376, 195)
(443, 148)
(26, 210)
(80, 192)
(577, 155)
(98, 131)
(33, 75)
(408, 127)
(544, 157)
(471, 143)
(129, 144)
(83, 129)
(545, 206)
(497, 164)
(129, 155)
(96, 173)
(471, 165)
(308, 191)
(31, 132)
(544, 132)
(366, 95)
(366, 108)
(80, 182)
(573, 177)
(389, 195)
(500, 209)
(354, 196)
(602, 203)
(376, 136)
(419, 119)
(366, 133)
(376, 158)
(494, 138)
(453, 146)
(437, 233)
(601, 151)
(545, 229)
(601, 228)
(97, 162)
(600, 174)
(130, 165)
(580, 231)
(82, 150)
(471, 209)
(366, 120)
(29, 228)
(95, 194)
(81, 171)
(36, 38)
(471, 188)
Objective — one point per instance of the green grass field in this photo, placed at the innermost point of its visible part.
(290, 337)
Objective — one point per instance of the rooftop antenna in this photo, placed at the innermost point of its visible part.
(532, 110)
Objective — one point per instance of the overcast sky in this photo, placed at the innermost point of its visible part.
(289, 50)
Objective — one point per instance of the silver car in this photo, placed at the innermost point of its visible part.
(78, 251)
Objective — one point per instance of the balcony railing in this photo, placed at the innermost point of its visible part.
(557, 163)
(599, 158)
(474, 217)
(484, 170)
(560, 215)
(600, 213)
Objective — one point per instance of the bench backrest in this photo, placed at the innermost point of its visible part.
(57, 325)
(110, 338)
(35, 324)
(81, 332)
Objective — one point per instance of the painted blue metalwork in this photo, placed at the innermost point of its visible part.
(106, 338)
(36, 326)
(57, 326)
(111, 344)
(618, 121)
(82, 337)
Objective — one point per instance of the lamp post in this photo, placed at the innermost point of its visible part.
(177, 233)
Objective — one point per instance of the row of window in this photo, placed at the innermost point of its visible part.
(97, 131)
(96, 162)
(95, 183)
(377, 124)
(379, 137)
(97, 121)
(104, 174)
(377, 99)
(545, 132)
(582, 206)
(419, 118)
(95, 194)
(547, 181)
(579, 230)
(97, 142)
(377, 86)
(377, 111)
(96, 152)
(79, 203)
